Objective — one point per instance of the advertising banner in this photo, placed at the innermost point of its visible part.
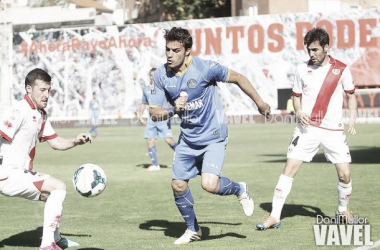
(114, 61)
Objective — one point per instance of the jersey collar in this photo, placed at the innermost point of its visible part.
(331, 61)
(187, 65)
(31, 104)
(29, 101)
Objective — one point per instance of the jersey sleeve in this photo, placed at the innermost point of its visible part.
(348, 81)
(144, 98)
(217, 72)
(11, 122)
(157, 97)
(48, 133)
(297, 84)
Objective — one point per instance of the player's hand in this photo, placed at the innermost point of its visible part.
(179, 104)
(351, 128)
(264, 109)
(303, 119)
(82, 139)
(142, 121)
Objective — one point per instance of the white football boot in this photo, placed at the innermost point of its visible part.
(246, 200)
(189, 236)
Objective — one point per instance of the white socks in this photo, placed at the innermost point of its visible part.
(283, 187)
(344, 193)
(52, 216)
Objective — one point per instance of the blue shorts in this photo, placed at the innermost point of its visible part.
(154, 130)
(190, 161)
(94, 118)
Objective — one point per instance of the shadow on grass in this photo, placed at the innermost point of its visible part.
(291, 210)
(32, 238)
(145, 165)
(176, 229)
(359, 155)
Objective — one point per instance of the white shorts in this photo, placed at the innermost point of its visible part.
(306, 142)
(16, 182)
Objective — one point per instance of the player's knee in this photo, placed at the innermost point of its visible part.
(59, 185)
(345, 177)
(210, 186)
(179, 186)
(150, 142)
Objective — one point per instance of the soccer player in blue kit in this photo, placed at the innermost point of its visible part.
(154, 130)
(189, 84)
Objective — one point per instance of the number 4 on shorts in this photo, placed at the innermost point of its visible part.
(295, 141)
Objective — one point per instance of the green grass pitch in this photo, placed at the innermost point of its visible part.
(137, 210)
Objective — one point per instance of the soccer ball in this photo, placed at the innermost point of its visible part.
(89, 180)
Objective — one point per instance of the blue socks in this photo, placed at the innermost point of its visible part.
(185, 204)
(228, 187)
(153, 155)
(94, 129)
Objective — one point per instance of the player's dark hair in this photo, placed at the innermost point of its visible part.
(181, 35)
(37, 74)
(317, 34)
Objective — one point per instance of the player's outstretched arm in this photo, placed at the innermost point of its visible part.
(352, 106)
(250, 91)
(60, 143)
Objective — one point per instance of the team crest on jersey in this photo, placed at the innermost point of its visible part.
(336, 71)
(8, 124)
(191, 83)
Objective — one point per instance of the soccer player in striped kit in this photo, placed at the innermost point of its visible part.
(21, 127)
(318, 91)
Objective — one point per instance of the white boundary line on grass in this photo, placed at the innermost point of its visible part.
(375, 245)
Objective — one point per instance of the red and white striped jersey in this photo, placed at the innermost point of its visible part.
(321, 88)
(22, 125)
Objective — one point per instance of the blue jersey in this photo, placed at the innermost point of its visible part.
(147, 96)
(203, 119)
(94, 106)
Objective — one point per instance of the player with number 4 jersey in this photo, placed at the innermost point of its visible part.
(318, 91)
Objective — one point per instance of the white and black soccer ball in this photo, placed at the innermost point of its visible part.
(89, 180)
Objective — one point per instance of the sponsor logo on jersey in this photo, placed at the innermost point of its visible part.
(194, 105)
(336, 71)
(8, 124)
(170, 85)
(191, 83)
